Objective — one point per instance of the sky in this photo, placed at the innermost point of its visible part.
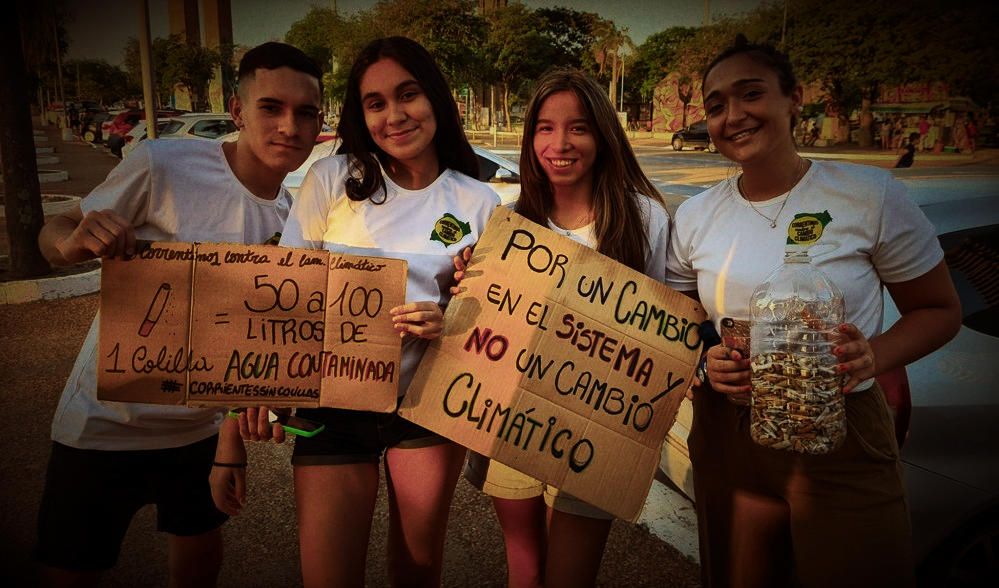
(100, 28)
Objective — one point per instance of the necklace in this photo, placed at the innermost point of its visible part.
(773, 221)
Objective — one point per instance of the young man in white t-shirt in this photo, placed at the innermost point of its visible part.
(110, 458)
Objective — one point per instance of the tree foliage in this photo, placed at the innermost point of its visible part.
(98, 80)
(516, 50)
(851, 47)
(174, 62)
(570, 33)
(449, 29)
(655, 58)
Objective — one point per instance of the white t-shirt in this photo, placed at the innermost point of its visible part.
(656, 232)
(404, 226)
(179, 191)
(865, 232)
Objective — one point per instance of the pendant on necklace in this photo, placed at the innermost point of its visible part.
(773, 224)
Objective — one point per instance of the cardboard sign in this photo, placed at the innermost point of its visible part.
(144, 354)
(246, 325)
(561, 363)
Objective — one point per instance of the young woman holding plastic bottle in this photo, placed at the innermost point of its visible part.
(773, 517)
(579, 178)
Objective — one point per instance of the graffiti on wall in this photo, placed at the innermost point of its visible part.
(673, 95)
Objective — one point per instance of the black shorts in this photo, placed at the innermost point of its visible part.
(91, 496)
(353, 436)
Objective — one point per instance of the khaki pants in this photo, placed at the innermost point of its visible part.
(766, 516)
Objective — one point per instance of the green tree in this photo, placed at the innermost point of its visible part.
(191, 66)
(570, 33)
(851, 47)
(175, 62)
(321, 35)
(516, 50)
(656, 57)
(42, 25)
(160, 48)
(449, 29)
(609, 44)
(97, 80)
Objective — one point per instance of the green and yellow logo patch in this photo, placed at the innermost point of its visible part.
(807, 227)
(449, 230)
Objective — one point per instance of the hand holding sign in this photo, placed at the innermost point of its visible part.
(100, 233)
(422, 319)
(460, 265)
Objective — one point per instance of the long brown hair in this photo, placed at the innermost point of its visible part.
(453, 149)
(617, 177)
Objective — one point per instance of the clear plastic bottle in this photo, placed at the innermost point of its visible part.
(797, 399)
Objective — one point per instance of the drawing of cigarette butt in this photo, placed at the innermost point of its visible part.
(155, 310)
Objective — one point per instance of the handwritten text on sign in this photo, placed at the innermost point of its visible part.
(560, 363)
(245, 325)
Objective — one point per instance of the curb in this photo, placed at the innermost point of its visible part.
(46, 176)
(21, 291)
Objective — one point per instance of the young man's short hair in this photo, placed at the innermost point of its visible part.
(272, 55)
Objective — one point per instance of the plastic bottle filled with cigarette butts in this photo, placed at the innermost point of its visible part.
(797, 399)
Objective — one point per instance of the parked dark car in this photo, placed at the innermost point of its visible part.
(694, 135)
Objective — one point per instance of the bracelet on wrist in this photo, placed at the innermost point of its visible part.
(224, 464)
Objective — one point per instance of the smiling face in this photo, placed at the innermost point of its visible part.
(749, 117)
(565, 143)
(278, 114)
(398, 114)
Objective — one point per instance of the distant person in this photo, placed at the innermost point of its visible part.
(898, 133)
(111, 458)
(884, 133)
(971, 131)
(908, 155)
(960, 131)
(597, 200)
(924, 131)
(814, 130)
(74, 117)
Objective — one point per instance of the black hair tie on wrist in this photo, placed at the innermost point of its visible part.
(223, 464)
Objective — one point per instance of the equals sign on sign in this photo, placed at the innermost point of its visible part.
(220, 318)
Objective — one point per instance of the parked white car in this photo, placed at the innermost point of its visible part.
(204, 126)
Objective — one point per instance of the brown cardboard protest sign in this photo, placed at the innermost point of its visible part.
(247, 325)
(251, 318)
(561, 363)
(361, 350)
(144, 353)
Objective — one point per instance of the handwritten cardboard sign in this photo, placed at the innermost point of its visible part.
(561, 363)
(247, 325)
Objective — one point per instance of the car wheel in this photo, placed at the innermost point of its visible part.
(712, 148)
(677, 144)
(89, 136)
(971, 558)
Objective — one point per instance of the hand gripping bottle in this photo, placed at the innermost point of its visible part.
(797, 399)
